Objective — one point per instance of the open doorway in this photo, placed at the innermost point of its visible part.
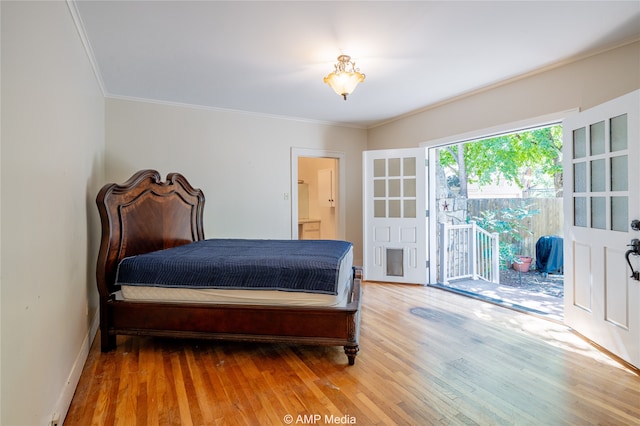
(317, 188)
(317, 198)
(500, 218)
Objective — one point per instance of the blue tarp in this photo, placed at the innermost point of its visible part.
(549, 255)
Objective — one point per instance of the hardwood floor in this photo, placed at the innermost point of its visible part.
(427, 356)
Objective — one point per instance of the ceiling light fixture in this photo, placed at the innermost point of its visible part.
(344, 79)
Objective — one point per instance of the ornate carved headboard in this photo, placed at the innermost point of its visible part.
(142, 215)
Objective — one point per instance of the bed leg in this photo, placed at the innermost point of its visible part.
(351, 351)
(107, 341)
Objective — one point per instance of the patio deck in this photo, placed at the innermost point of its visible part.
(537, 303)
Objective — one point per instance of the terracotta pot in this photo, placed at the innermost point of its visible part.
(524, 265)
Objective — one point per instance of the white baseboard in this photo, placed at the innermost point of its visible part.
(66, 395)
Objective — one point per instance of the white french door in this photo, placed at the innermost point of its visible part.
(395, 222)
(601, 161)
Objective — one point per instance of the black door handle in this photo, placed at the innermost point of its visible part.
(634, 250)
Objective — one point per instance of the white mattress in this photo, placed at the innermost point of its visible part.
(251, 297)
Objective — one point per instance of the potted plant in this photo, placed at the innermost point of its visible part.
(522, 263)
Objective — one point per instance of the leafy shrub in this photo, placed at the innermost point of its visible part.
(509, 224)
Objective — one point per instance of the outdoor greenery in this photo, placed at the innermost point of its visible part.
(510, 224)
(528, 159)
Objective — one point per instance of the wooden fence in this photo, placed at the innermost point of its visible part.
(548, 220)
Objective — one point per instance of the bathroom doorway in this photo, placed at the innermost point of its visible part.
(317, 195)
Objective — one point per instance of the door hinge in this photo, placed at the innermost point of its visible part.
(426, 162)
(426, 212)
(427, 264)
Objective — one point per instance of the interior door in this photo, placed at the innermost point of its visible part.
(601, 168)
(395, 223)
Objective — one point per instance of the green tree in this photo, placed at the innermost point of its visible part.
(536, 152)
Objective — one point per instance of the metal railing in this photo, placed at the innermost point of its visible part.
(468, 251)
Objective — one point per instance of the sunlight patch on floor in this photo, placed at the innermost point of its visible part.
(552, 333)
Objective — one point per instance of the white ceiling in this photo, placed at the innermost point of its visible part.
(270, 57)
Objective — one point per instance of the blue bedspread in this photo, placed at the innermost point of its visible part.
(288, 265)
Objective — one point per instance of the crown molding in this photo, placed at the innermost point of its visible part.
(77, 20)
(232, 111)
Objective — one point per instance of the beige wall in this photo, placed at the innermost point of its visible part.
(242, 162)
(581, 84)
(52, 145)
(59, 132)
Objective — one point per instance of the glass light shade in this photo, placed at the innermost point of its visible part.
(344, 83)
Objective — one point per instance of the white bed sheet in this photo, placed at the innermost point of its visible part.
(251, 297)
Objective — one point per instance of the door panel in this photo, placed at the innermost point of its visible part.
(395, 231)
(615, 290)
(601, 167)
(581, 294)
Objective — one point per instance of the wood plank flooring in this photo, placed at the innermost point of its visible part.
(427, 356)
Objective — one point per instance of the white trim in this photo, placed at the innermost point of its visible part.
(501, 129)
(432, 222)
(77, 20)
(66, 394)
(233, 111)
(342, 186)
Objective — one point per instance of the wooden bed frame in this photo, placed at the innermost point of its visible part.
(145, 214)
